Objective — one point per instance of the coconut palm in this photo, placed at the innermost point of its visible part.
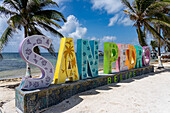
(144, 13)
(31, 15)
(154, 44)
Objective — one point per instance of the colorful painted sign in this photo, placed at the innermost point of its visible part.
(29, 56)
(66, 67)
(127, 57)
(82, 65)
(87, 54)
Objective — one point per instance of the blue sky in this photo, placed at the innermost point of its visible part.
(102, 20)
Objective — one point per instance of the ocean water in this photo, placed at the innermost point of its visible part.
(13, 65)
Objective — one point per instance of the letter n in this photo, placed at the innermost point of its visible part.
(66, 67)
(87, 58)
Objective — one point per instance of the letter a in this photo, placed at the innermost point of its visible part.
(66, 66)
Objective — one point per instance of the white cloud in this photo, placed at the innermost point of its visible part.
(108, 39)
(111, 6)
(61, 1)
(103, 39)
(72, 28)
(113, 20)
(126, 21)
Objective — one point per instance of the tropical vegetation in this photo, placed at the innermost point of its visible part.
(31, 16)
(146, 13)
(150, 16)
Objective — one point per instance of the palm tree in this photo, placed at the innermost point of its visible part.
(144, 13)
(154, 44)
(30, 15)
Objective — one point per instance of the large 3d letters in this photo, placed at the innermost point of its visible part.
(131, 57)
(29, 56)
(120, 63)
(139, 53)
(111, 54)
(66, 66)
(146, 55)
(87, 58)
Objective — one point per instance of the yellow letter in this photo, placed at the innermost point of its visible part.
(66, 66)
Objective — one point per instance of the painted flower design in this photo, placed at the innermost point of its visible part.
(95, 62)
(84, 68)
(28, 51)
(96, 57)
(84, 62)
(47, 42)
(96, 47)
(30, 84)
(91, 63)
(28, 41)
(47, 79)
(44, 63)
(88, 48)
(36, 84)
(84, 54)
(84, 42)
(90, 56)
(39, 41)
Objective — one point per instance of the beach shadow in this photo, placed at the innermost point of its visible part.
(13, 86)
(76, 99)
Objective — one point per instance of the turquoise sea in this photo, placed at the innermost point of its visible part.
(13, 65)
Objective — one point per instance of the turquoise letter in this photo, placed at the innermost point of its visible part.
(87, 58)
(139, 54)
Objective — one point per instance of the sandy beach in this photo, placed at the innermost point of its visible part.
(149, 93)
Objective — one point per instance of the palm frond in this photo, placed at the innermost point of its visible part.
(6, 35)
(12, 4)
(157, 7)
(145, 4)
(51, 14)
(157, 21)
(51, 50)
(5, 11)
(48, 3)
(24, 3)
(127, 4)
(152, 30)
(16, 21)
(137, 5)
(141, 37)
(40, 18)
(4, 39)
(49, 28)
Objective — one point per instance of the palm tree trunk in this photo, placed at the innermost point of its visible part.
(159, 52)
(28, 69)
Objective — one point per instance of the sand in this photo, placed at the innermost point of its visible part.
(148, 93)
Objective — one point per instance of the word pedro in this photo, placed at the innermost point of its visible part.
(86, 64)
(126, 56)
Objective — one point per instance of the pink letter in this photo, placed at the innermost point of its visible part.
(146, 55)
(120, 63)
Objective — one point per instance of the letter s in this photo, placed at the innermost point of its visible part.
(29, 56)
